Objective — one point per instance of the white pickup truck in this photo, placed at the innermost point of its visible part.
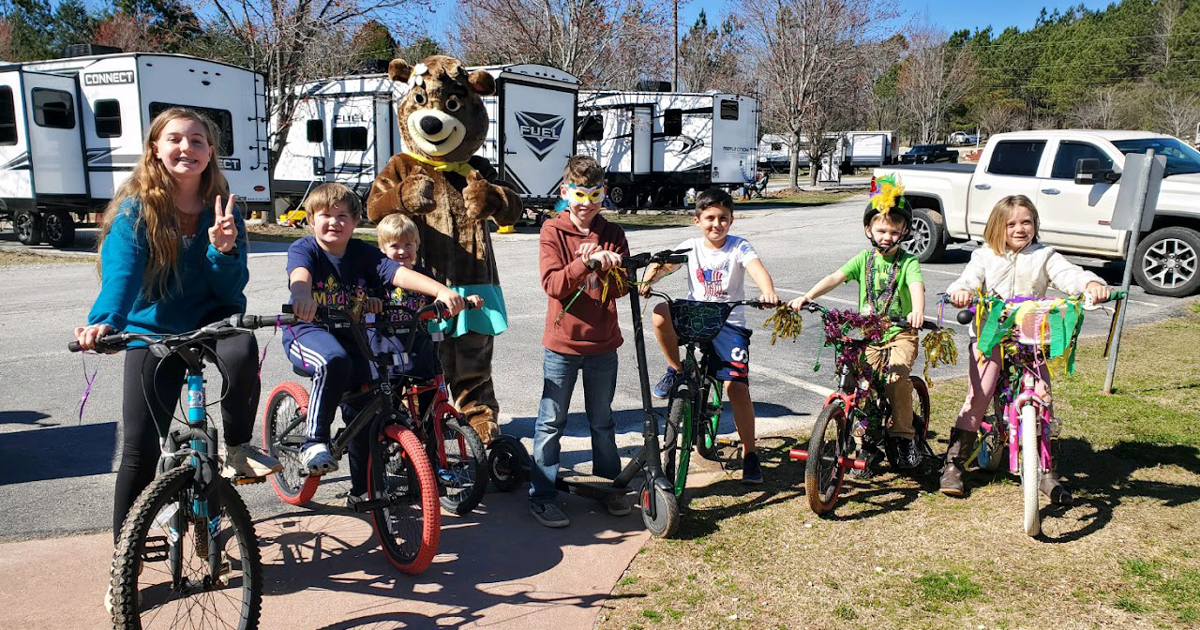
(951, 202)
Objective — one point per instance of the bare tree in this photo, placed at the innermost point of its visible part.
(997, 116)
(1169, 13)
(711, 58)
(1178, 112)
(606, 43)
(807, 52)
(934, 77)
(1099, 111)
(291, 42)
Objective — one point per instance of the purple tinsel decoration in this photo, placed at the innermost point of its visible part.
(840, 322)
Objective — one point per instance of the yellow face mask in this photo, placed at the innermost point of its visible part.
(584, 194)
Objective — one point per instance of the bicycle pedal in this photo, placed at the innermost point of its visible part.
(362, 507)
(155, 549)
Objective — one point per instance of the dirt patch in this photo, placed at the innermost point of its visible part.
(11, 258)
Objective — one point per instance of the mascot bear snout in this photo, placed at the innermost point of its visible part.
(436, 133)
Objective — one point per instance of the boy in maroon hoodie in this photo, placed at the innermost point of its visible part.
(578, 248)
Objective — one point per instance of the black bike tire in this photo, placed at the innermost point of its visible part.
(419, 471)
(126, 558)
(673, 431)
(920, 424)
(820, 498)
(476, 455)
(706, 437)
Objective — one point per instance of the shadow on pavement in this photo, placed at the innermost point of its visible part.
(56, 452)
(496, 567)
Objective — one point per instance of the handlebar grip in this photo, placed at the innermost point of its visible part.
(965, 317)
(74, 346)
(676, 259)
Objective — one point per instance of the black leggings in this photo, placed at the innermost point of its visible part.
(146, 415)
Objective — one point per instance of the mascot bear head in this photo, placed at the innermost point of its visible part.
(442, 117)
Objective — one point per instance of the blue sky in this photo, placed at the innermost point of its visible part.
(949, 14)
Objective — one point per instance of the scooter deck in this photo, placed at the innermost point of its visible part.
(589, 486)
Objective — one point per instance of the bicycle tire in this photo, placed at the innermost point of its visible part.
(409, 528)
(665, 520)
(675, 449)
(710, 423)
(465, 473)
(823, 475)
(1031, 469)
(920, 424)
(292, 484)
(131, 565)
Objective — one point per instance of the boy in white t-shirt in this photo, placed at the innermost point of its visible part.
(717, 267)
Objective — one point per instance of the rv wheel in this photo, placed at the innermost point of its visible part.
(28, 227)
(617, 195)
(59, 228)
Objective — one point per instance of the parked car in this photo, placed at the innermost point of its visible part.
(960, 138)
(952, 202)
(928, 154)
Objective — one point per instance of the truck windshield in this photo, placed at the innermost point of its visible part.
(1181, 158)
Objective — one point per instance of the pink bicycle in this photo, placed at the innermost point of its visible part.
(1030, 334)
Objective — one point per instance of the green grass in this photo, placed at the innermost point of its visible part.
(798, 198)
(895, 553)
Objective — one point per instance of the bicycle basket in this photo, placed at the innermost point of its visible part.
(698, 322)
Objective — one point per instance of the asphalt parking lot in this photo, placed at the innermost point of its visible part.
(57, 477)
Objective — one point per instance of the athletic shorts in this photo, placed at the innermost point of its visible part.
(731, 360)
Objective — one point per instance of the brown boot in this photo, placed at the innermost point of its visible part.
(961, 444)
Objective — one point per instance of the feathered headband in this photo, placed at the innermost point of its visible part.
(886, 193)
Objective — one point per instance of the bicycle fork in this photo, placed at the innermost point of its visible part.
(1029, 407)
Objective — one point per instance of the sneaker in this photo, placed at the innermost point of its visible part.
(244, 460)
(317, 459)
(666, 383)
(906, 455)
(108, 604)
(549, 514)
(751, 469)
(617, 505)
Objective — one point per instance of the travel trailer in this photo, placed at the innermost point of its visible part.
(71, 130)
(345, 130)
(855, 148)
(654, 146)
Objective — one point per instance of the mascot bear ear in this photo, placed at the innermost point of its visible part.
(399, 70)
(482, 82)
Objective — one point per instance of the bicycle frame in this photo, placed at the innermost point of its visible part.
(1015, 414)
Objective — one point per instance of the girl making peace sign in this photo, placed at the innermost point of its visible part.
(168, 265)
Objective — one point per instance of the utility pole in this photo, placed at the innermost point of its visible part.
(675, 28)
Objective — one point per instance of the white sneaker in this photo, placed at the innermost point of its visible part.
(317, 459)
(244, 460)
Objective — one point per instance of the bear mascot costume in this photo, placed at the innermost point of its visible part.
(450, 194)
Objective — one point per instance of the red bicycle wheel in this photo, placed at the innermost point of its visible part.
(409, 526)
(287, 403)
(823, 472)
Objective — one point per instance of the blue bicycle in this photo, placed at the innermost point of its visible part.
(187, 555)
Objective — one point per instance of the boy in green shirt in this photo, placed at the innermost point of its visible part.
(889, 283)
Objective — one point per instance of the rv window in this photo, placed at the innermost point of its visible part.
(349, 138)
(729, 109)
(108, 118)
(776, 146)
(53, 108)
(591, 129)
(222, 118)
(316, 131)
(673, 122)
(8, 117)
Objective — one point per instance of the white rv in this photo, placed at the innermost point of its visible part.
(856, 149)
(71, 130)
(345, 130)
(656, 145)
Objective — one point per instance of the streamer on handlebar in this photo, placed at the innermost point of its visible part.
(615, 277)
(1049, 327)
(786, 322)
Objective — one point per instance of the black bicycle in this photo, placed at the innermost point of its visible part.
(187, 554)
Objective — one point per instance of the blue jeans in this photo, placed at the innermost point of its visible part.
(559, 372)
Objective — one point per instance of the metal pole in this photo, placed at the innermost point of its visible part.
(675, 27)
(1143, 185)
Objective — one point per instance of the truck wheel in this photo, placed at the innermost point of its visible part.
(1167, 262)
(59, 228)
(617, 195)
(28, 226)
(928, 235)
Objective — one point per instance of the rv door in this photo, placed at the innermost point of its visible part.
(643, 143)
(538, 137)
(55, 136)
(16, 174)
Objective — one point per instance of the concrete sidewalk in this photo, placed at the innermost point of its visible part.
(496, 568)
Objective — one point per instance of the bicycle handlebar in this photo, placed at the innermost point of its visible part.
(234, 325)
(645, 259)
(967, 315)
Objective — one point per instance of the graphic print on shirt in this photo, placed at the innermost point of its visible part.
(331, 293)
(713, 280)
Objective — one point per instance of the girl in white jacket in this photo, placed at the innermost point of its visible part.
(1011, 264)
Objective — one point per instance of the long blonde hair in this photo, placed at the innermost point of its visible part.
(154, 188)
(995, 233)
